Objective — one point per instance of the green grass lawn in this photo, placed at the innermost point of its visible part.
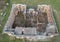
(53, 3)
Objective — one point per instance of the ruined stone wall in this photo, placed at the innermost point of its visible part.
(10, 18)
(49, 15)
(13, 13)
(47, 9)
(26, 31)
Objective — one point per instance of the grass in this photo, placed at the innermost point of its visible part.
(6, 38)
(53, 3)
(5, 18)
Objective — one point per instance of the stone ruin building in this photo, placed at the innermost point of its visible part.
(31, 21)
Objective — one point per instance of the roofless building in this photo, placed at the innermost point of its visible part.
(31, 22)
